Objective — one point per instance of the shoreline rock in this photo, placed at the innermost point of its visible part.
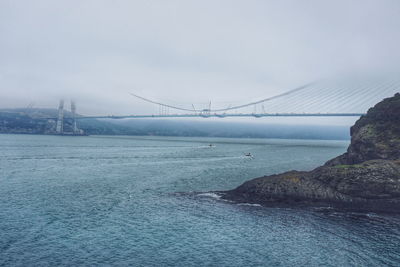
(366, 177)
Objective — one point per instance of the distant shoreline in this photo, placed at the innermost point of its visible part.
(174, 136)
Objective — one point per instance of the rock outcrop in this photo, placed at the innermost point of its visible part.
(366, 177)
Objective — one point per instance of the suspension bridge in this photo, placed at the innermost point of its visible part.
(322, 99)
(341, 98)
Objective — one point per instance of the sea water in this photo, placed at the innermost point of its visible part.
(145, 201)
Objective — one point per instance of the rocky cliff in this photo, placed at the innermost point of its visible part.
(375, 135)
(366, 177)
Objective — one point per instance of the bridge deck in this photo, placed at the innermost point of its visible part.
(256, 115)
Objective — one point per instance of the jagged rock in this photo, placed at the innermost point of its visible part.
(375, 135)
(366, 177)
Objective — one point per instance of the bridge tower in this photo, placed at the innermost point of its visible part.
(73, 111)
(60, 121)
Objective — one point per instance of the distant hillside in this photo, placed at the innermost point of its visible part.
(234, 129)
(34, 121)
(16, 122)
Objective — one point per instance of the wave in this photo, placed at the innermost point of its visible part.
(210, 195)
(208, 146)
(249, 204)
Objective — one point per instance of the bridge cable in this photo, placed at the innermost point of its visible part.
(229, 108)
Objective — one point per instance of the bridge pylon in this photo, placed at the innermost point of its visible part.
(60, 120)
(60, 127)
(73, 111)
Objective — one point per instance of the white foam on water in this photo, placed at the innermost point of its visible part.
(249, 204)
(211, 195)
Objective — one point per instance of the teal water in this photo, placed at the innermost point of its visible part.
(135, 201)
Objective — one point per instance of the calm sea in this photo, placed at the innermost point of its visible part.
(135, 201)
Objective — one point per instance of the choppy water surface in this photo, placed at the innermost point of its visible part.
(114, 201)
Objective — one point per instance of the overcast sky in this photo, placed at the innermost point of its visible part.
(185, 51)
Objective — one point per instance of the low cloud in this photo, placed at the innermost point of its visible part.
(185, 51)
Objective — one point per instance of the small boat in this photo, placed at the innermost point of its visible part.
(248, 155)
(210, 145)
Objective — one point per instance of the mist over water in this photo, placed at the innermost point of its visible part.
(136, 201)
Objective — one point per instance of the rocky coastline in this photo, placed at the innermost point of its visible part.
(366, 177)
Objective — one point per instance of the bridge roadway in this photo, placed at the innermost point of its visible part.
(215, 115)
